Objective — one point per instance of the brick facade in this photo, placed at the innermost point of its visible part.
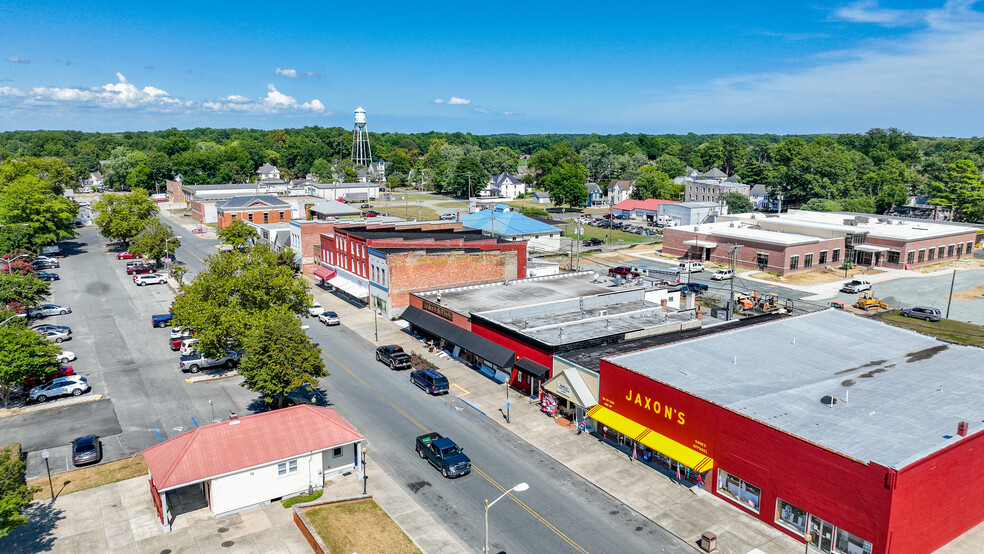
(255, 215)
(420, 271)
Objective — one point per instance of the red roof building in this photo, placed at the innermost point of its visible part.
(245, 462)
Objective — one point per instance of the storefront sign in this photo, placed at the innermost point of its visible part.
(438, 309)
(657, 407)
(563, 390)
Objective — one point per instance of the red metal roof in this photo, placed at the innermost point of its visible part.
(225, 447)
(650, 204)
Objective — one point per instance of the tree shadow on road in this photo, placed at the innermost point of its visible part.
(37, 535)
(304, 395)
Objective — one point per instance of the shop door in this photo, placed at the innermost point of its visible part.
(707, 254)
(823, 535)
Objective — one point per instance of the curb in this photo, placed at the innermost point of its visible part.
(34, 408)
(219, 377)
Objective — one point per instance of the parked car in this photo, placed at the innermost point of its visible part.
(329, 318)
(162, 320)
(430, 380)
(176, 342)
(46, 276)
(364, 206)
(449, 216)
(393, 356)
(56, 335)
(46, 259)
(928, 314)
(152, 279)
(45, 264)
(693, 287)
(372, 213)
(49, 327)
(196, 362)
(86, 450)
(63, 371)
(73, 385)
(139, 269)
(188, 346)
(693, 266)
(126, 255)
(593, 242)
(315, 309)
(181, 333)
(443, 454)
(65, 356)
(621, 271)
(855, 286)
(723, 274)
(48, 309)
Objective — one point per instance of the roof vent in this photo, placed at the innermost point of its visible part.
(962, 428)
(608, 324)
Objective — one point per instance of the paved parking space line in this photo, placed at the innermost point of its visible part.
(463, 391)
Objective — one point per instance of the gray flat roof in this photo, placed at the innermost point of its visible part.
(495, 296)
(899, 394)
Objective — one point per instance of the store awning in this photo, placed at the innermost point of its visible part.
(350, 288)
(323, 272)
(530, 367)
(700, 243)
(570, 384)
(479, 346)
(870, 248)
(689, 457)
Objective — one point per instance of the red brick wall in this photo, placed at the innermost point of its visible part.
(413, 271)
(915, 246)
(311, 236)
(225, 218)
(779, 256)
(196, 210)
(174, 192)
(461, 320)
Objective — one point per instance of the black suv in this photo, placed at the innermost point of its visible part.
(393, 356)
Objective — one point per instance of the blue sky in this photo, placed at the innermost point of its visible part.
(496, 67)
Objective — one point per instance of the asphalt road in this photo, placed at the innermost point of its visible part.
(561, 512)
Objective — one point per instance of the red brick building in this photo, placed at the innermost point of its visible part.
(802, 241)
(256, 209)
(800, 424)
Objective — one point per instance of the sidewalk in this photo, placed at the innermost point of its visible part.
(683, 511)
(173, 210)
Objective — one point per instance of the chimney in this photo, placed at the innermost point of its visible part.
(662, 304)
(962, 428)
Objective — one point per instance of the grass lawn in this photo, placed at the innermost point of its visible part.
(407, 212)
(452, 204)
(91, 476)
(946, 329)
(360, 526)
(591, 232)
(413, 197)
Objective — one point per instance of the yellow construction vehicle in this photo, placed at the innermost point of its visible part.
(867, 300)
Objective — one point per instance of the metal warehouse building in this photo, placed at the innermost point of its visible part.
(863, 435)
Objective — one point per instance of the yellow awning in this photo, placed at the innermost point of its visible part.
(689, 457)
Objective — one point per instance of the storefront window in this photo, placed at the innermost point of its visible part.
(922, 255)
(949, 251)
(894, 256)
(931, 254)
(794, 261)
(836, 256)
(742, 492)
(939, 252)
(790, 516)
(849, 544)
(911, 256)
(823, 257)
(808, 260)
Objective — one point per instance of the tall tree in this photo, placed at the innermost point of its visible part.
(28, 199)
(962, 188)
(653, 183)
(279, 357)
(23, 353)
(238, 234)
(155, 241)
(223, 301)
(498, 160)
(122, 216)
(599, 160)
(567, 182)
(23, 289)
(737, 203)
(468, 178)
(322, 170)
(15, 495)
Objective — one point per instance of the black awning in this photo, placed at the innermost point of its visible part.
(530, 367)
(479, 346)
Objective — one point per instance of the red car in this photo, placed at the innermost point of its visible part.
(126, 255)
(63, 371)
(139, 269)
(621, 271)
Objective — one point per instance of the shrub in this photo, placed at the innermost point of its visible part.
(419, 362)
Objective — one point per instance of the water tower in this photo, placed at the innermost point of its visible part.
(361, 152)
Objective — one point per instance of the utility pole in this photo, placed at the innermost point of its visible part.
(609, 222)
(469, 185)
(950, 298)
(734, 263)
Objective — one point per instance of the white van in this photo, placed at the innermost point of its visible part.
(691, 266)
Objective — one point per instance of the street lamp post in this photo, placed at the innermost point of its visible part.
(167, 259)
(518, 488)
(15, 316)
(365, 476)
(9, 261)
(51, 488)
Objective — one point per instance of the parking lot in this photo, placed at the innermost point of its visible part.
(124, 359)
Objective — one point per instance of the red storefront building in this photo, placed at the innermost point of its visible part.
(861, 436)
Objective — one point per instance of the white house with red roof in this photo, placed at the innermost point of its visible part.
(253, 460)
(641, 209)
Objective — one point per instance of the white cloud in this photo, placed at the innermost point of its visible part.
(125, 95)
(310, 74)
(927, 81)
(455, 101)
(292, 73)
(18, 59)
(868, 11)
(438, 101)
(482, 110)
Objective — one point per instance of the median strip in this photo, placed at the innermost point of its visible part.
(34, 408)
(229, 374)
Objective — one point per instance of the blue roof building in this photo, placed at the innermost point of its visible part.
(502, 222)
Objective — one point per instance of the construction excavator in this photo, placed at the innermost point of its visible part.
(867, 300)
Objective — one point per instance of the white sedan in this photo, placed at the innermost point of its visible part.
(65, 356)
(315, 310)
(329, 318)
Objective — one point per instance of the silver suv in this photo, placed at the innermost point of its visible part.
(196, 362)
(73, 385)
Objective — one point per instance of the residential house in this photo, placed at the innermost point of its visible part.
(506, 185)
(541, 197)
(267, 172)
(254, 460)
(596, 197)
(276, 235)
(258, 209)
(619, 191)
(759, 196)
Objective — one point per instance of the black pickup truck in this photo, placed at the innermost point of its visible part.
(393, 356)
(443, 454)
